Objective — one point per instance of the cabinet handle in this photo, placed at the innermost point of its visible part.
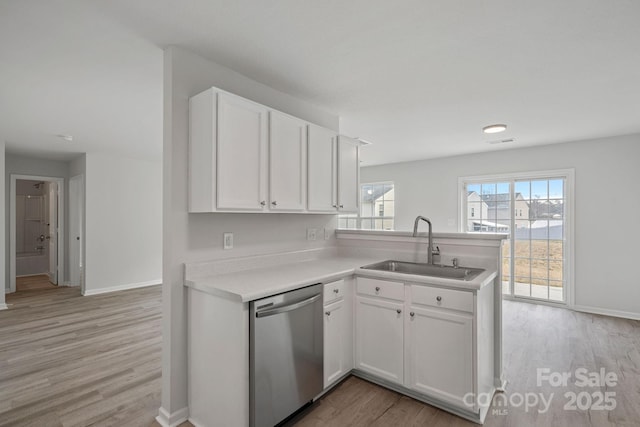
(335, 206)
(335, 291)
(398, 311)
(438, 298)
(412, 314)
(341, 206)
(377, 288)
(274, 203)
(263, 203)
(328, 313)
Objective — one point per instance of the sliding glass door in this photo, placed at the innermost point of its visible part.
(533, 212)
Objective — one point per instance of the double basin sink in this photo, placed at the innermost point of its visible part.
(433, 270)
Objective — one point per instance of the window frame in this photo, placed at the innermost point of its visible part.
(358, 218)
(569, 230)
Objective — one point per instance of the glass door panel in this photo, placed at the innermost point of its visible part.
(532, 212)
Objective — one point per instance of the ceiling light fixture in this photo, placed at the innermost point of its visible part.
(67, 138)
(494, 128)
(364, 141)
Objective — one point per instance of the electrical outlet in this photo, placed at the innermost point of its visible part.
(227, 239)
(311, 233)
(327, 233)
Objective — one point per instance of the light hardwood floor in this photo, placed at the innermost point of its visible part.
(32, 283)
(535, 336)
(67, 360)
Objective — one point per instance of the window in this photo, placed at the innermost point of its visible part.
(376, 208)
(533, 210)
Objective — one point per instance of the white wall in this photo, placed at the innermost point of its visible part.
(3, 240)
(22, 165)
(123, 218)
(196, 237)
(607, 173)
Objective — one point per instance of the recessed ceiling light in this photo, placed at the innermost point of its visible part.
(494, 128)
(67, 138)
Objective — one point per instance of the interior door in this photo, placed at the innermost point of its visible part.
(52, 236)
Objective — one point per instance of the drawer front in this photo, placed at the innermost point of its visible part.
(380, 288)
(333, 291)
(443, 298)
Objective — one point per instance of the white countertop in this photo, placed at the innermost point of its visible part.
(252, 284)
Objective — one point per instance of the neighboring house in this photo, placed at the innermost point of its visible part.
(478, 215)
(499, 206)
(476, 208)
(378, 202)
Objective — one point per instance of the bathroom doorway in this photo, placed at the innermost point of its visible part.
(36, 231)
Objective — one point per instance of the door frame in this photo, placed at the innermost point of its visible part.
(79, 199)
(12, 225)
(569, 250)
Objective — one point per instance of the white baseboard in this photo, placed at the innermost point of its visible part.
(607, 312)
(165, 419)
(88, 292)
(3, 306)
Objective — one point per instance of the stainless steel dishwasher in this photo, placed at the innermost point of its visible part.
(286, 351)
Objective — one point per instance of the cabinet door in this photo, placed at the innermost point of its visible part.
(439, 349)
(287, 163)
(379, 338)
(242, 156)
(335, 341)
(202, 151)
(348, 175)
(322, 170)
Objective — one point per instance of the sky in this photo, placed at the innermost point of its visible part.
(534, 189)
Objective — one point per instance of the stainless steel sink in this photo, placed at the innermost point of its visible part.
(443, 271)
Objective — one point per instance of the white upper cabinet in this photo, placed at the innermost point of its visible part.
(348, 175)
(245, 157)
(202, 151)
(242, 154)
(287, 163)
(322, 168)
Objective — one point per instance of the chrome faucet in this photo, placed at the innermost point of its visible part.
(430, 236)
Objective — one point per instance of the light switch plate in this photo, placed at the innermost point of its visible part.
(227, 239)
(327, 233)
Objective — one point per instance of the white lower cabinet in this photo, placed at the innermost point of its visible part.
(379, 338)
(421, 337)
(439, 353)
(338, 332)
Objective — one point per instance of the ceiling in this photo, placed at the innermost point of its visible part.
(419, 79)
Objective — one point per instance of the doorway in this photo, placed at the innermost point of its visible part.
(535, 210)
(36, 234)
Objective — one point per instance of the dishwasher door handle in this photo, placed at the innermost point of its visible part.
(285, 308)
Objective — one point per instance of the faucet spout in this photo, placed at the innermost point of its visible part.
(430, 236)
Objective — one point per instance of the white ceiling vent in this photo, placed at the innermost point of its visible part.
(501, 141)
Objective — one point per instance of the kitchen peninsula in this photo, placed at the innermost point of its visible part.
(435, 339)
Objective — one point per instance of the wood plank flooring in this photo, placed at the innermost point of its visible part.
(535, 336)
(32, 283)
(67, 360)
